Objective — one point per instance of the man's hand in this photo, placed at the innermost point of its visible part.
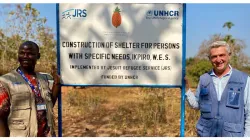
(55, 76)
(187, 83)
(56, 84)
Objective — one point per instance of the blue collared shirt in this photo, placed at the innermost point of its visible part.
(220, 84)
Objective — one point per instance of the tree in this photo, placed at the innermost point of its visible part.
(228, 25)
(238, 58)
(203, 49)
(196, 69)
(25, 23)
(229, 39)
(190, 61)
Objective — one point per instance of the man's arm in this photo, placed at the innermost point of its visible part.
(4, 111)
(55, 91)
(191, 98)
(247, 108)
(4, 130)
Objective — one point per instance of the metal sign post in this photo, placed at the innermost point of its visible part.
(182, 128)
(59, 73)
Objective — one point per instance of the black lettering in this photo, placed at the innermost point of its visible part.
(75, 56)
(166, 57)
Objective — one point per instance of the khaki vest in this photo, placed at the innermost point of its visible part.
(22, 120)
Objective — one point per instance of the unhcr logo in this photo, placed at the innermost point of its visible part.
(162, 14)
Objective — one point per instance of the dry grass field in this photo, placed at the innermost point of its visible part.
(120, 112)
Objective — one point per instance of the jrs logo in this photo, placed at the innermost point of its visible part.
(74, 13)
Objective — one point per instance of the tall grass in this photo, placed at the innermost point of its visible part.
(128, 111)
(85, 101)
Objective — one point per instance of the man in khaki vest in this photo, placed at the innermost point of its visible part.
(26, 102)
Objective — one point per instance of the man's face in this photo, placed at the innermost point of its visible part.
(219, 58)
(27, 56)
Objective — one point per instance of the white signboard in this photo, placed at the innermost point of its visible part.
(121, 44)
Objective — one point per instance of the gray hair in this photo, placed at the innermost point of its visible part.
(218, 44)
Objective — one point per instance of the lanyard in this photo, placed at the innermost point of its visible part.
(31, 85)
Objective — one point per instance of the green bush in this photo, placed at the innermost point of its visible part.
(196, 69)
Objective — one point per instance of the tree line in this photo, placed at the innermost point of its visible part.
(23, 22)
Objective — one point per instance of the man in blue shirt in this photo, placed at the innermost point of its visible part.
(222, 96)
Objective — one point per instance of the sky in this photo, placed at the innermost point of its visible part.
(48, 11)
(202, 21)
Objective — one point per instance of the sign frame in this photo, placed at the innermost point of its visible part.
(182, 86)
